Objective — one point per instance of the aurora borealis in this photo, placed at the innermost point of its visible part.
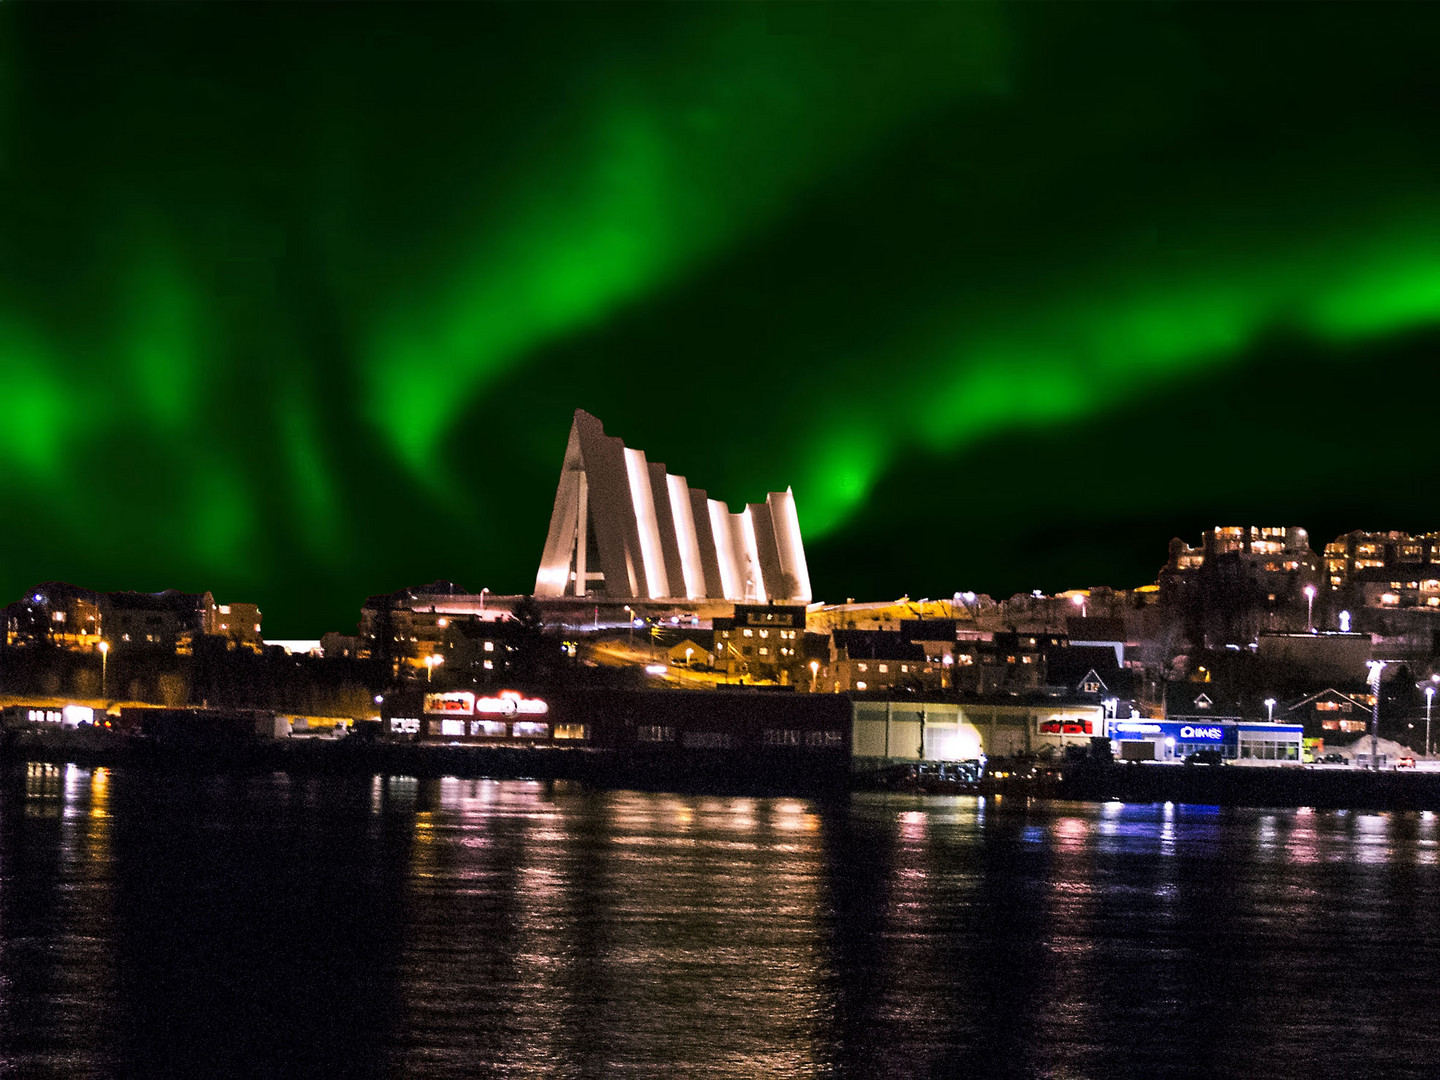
(296, 302)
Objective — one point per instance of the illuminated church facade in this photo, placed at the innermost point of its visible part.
(624, 528)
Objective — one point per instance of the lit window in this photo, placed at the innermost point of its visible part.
(489, 665)
(863, 667)
(489, 646)
(764, 651)
(884, 669)
(749, 632)
(764, 633)
(859, 686)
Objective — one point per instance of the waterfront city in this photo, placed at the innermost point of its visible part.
(755, 541)
(671, 637)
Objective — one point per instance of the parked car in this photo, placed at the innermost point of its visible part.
(1205, 757)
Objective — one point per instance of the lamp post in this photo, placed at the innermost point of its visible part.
(1270, 709)
(688, 651)
(483, 594)
(1429, 697)
(432, 661)
(630, 623)
(1376, 667)
(814, 674)
(1079, 601)
(1310, 607)
(104, 655)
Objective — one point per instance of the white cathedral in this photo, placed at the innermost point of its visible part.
(624, 528)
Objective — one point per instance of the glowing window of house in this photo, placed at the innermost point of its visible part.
(489, 665)
(863, 667)
(1389, 599)
(489, 646)
(764, 651)
(764, 633)
(884, 669)
(749, 632)
(859, 686)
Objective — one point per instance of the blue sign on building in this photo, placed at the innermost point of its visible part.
(1173, 738)
(1168, 729)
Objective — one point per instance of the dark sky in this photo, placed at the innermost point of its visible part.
(296, 302)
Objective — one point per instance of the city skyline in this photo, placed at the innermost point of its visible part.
(301, 311)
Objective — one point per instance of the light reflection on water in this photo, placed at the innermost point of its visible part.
(396, 927)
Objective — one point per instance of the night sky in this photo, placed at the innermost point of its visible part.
(296, 302)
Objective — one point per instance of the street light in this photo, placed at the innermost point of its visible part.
(1376, 667)
(1310, 607)
(104, 655)
(483, 593)
(1270, 709)
(1079, 601)
(814, 673)
(1429, 698)
(432, 661)
(630, 622)
(688, 651)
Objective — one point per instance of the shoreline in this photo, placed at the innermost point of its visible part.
(729, 772)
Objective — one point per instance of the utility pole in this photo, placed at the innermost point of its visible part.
(1376, 667)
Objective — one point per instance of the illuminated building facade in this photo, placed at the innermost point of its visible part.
(418, 630)
(1385, 569)
(1270, 550)
(624, 528)
(762, 641)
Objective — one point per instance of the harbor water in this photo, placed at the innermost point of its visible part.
(156, 924)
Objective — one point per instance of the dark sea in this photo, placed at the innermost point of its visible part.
(273, 925)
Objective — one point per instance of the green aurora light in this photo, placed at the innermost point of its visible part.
(296, 305)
